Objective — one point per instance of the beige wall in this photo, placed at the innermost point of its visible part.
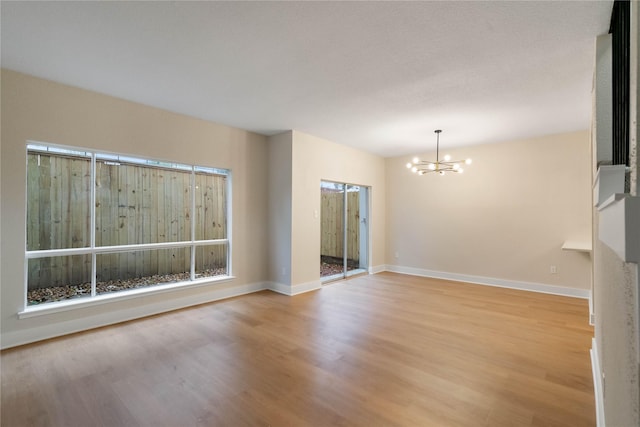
(35, 109)
(506, 217)
(297, 164)
(315, 159)
(274, 228)
(280, 209)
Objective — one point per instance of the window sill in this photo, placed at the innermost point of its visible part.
(74, 304)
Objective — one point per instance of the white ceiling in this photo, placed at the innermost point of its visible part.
(379, 76)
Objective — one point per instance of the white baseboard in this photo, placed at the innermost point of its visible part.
(597, 384)
(490, 281)
(56, 329)
(280, 288)
(301, 288)
(377, 269)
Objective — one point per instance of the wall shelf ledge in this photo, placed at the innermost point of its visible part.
(577, 245)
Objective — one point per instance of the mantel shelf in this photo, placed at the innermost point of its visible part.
(619, 226)
(609, 180)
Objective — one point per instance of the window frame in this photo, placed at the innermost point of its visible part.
(93, 250)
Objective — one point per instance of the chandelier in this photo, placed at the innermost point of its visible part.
(422, 167)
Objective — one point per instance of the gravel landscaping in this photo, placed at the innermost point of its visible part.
(60, 293)
(330, 266)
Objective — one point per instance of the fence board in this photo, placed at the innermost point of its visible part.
(173, 216)
(185, 221)
(150, 219)
(134, 204)
(161, 208)
(332, 214)
(33, 209)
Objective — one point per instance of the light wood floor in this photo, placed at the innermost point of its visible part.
(381, 350)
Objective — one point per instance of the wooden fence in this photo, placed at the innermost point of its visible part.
(133, 204)
(332, 220)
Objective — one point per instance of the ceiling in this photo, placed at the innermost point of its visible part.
(378, 76)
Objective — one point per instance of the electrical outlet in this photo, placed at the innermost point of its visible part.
(553, 269)
(397, 254)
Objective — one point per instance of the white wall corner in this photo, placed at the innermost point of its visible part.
(306, 287)
(280, 288)
(597, 384)
(377, 269)
(619, 226)
(609, 180)
(602, 122)
(490, 281)
(301, 288)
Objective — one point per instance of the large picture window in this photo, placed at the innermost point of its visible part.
(101, 223)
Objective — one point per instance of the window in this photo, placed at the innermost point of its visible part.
(101, 223)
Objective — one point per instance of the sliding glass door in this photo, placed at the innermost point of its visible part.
(344, 230)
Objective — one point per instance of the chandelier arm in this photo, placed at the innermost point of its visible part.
(424, 166)
(424, 172)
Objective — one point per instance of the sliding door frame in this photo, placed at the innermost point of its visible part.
(364, 231)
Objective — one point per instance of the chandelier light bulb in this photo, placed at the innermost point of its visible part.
(424, 167)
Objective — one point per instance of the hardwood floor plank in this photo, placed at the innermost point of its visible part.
(379, 350)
